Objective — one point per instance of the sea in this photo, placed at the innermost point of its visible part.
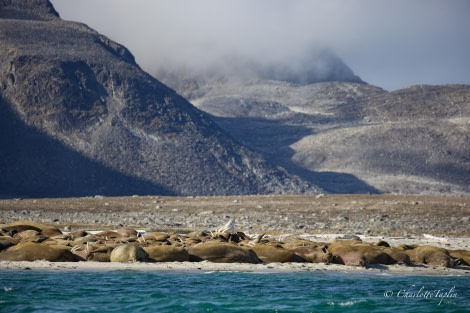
(197, 291)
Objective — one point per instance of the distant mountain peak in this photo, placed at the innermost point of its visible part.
(311, 67)
(301, 68)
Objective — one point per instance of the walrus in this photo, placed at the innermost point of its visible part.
(128, 253)
(165, 253)
(430, 255)
(126, 232)
(99, 254)
(313, 254)
(462, 256)
(29, 251)
(345, 254)
(221, 252)
(397, 255)
(5, 244)
(274, 254)
(15, 229)
(30, 235)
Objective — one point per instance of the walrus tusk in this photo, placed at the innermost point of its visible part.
(229, 227)
(253, 242)
(140, 237)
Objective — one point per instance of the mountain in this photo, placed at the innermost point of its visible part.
(80, 117)
(348, 137)
(308, 67)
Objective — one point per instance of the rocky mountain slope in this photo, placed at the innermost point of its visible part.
(80, 117)
(349, 137)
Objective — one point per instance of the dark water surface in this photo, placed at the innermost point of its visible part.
(159, 291)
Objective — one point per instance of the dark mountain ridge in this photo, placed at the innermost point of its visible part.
(31, 161)
(83, 97)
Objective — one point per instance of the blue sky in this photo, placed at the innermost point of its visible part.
(389, 43)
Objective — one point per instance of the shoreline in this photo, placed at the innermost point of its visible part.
(446, 242)
(205, 266)
(397, 220)
(285, 267)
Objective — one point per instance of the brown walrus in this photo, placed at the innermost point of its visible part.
(29, 251)
(128, 253)
(272, 254)
(221, 252)
(166, 253)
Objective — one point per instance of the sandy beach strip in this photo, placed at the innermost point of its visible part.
(206, 266)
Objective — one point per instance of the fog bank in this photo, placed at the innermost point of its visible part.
(391, 44)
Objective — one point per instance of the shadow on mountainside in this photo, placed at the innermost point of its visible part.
(35, 165)
(272, 140)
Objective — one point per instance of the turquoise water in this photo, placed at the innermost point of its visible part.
(142, 291)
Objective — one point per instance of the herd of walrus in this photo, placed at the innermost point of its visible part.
(30, 241)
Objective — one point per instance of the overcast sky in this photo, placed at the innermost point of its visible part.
(391, 43)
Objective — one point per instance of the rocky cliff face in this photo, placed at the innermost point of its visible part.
(79, 117)
(39, 10)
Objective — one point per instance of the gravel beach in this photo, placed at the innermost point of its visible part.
(372, 215)
(423, 220)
